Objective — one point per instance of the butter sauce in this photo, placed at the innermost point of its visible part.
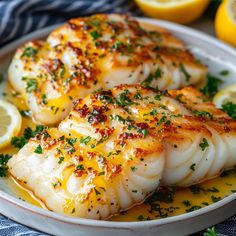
(164, 203)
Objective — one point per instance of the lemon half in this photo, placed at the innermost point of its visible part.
(179, 11)
(227, 94)
(225, 22)
(10, 122)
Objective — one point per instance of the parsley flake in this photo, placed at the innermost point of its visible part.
(192, 167)
(85, 140)
(31, 84)
(80, 167)
(95, 34)
(203, 114)
(204, 144)
(211, 86)
(29, 52)
(133, 168)
(224, 72)
(184, 71)
(230, 109)
(210, 232)
(4, 158)
(38, 149)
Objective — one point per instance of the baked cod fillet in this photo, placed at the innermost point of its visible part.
(118, 146)
(101, 51)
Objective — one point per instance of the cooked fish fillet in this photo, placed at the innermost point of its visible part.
(101, 51)
(117, 146)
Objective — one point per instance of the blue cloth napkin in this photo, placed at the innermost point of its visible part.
(19, 17)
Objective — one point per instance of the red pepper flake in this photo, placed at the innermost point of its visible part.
(97, 115)
(105, 132)
(91, 155)
(75, 49)
(83, 111)
(79, 158)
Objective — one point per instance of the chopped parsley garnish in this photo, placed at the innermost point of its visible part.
(101, 173)
(153, 112)
(117, 44)
(163, 120)
(103, 139)
(80, 167)
(31, 84)
(224, 72)
(29, 52)
(213, 190)
(162, 93)
(203, 114)
(29, 133)
(71, 141)
(19, 142)
(141, 218)
(115, 153)
(56, 184)
(44, 99)
(54, 109)
(38, 149)
(178, 98)
(192, 167)
(215, 199)
(137, 96)
(193, 208)
(97, 192)
(163, 195)
(184, 71)
(62, 71)
(211, 86)
(205, 203)
(123, 100)
(230, 109)
(187, 203)
(133, 168)
(144, 132)
(95, 34)
(147, 82)
(210, 232)
(25, 113)
(85, 140)
(4, 158)
(204, 144)
(121, 119)
(61, 159)
(195, 189)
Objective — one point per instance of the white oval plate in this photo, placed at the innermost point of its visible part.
(217, 56)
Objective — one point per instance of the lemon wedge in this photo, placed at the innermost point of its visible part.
(179, 11)
(225, 95)
(225, 22)
(10, 122)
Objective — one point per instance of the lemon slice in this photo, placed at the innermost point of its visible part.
(225, 22)
(179, 11)
(10, 122)
(227, 94)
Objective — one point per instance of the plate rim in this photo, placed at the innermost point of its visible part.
(8, 48)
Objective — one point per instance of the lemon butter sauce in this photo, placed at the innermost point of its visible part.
(164, 203)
